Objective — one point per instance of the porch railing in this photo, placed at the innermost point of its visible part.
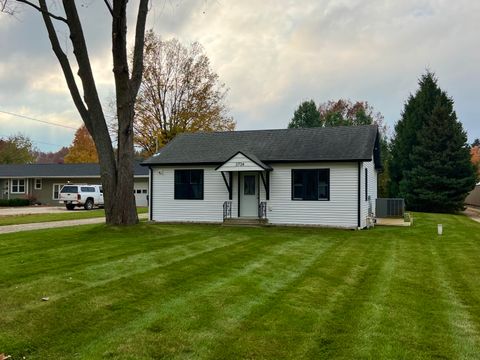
(227, 210)
(262, 210)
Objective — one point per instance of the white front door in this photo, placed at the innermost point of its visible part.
(248, 194)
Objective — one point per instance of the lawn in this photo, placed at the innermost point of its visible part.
(71, 215)
(212, 292)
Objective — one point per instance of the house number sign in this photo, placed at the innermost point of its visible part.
(239, 164)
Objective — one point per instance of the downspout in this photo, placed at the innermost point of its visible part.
(359, 195)
(150, 195)
(238, 184)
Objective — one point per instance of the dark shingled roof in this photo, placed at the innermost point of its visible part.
(58, 170)
(342, 143)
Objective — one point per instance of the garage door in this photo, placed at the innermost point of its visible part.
(141, 194)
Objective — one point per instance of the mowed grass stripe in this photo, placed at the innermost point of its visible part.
(197, 292)
(463, 330)
(78, 246)
(283, 322)
(129, 294)
(228, 300)
(60, 285)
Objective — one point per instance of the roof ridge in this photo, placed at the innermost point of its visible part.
(279, 129)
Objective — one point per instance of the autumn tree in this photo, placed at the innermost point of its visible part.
(346, 113)
(116, 168)
(179, 93)
(475, 158)
(82, 149)
(51, 157)
(17, 149)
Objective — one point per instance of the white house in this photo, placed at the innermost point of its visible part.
(317, 176)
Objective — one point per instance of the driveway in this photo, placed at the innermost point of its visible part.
(473, 213)
(27, 210)
(6, 229)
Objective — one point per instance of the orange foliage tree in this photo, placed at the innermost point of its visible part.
(475, 153)
(179, 93)
(83, 148)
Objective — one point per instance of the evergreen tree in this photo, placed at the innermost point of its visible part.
(306, 116)
(414, 116)
(434, 160)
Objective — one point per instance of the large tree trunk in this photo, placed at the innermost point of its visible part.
(116, 172)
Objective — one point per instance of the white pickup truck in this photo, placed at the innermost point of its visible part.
(88, 196)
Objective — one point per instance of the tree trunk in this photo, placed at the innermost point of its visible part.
(116, 173)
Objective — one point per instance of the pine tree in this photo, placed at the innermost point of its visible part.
(306, 116)
(414, 116)
(439, 173)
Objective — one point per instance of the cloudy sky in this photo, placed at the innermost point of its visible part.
(271, 54)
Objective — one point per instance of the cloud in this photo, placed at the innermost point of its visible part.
(274, 54)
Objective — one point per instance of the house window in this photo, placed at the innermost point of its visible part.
(189, 184)
(38, 184)
(311, 184)
(56, 191)
(18, 186)
(249, 185)
(366, 184)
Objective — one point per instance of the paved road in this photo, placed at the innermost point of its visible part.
(54, 224)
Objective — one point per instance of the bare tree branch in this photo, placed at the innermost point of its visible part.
(137, 67)
(64, 63)
(43, 11)
(109, 6)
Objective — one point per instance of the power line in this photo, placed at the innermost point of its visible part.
(37, 120)
(34, 141)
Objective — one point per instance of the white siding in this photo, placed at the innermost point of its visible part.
(372, 190)
(166, 208)
(339, 211)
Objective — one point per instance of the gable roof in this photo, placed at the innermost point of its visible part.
(342, 143)
(257, 163)
(58, 170)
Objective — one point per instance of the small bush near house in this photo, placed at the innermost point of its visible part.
(32, 200)
(14, 202)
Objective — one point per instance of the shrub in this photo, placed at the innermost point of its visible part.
(14, 202)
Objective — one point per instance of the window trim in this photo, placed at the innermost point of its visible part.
(18, 186)
(317, 170)
(35, 184)
(53, 191)
(202, 183)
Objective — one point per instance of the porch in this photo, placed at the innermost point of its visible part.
(249, 178)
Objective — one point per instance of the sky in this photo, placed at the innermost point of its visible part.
(271, 54)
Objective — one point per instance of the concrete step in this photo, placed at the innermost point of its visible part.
(245, 221)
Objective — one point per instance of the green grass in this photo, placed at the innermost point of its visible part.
(71, 215)
(212, 292)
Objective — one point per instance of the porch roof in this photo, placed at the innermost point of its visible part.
(243, 161)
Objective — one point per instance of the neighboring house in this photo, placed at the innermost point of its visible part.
(474, 197)
(43, 181)
(317, 176)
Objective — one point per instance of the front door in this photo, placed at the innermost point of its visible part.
(248, 194)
